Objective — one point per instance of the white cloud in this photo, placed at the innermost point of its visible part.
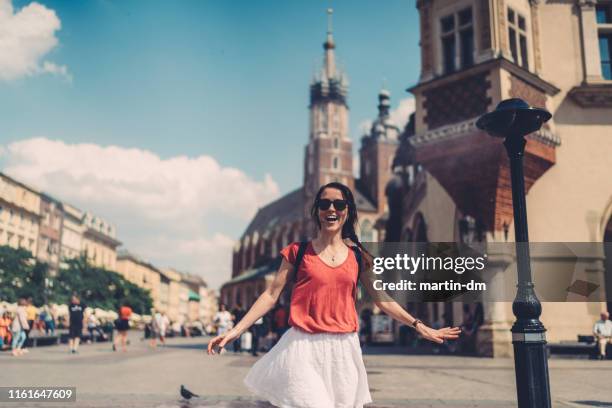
(364, 127)
(26, 37)
(175, 210)
(401, 114)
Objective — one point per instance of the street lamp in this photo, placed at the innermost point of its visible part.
(512, 120)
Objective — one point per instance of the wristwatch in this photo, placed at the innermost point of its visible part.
(416, 321)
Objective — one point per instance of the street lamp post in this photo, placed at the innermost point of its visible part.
(512, 120)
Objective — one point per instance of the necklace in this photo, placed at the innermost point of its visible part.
(333, 256)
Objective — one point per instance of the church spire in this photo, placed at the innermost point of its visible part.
(330, 60)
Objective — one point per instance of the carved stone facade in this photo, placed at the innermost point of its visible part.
(456, 101)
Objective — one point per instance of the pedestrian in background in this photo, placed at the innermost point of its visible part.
(223, 320)
(237, 315)
(19, 327)
(31, 314)
(93, 327)
(318, 361)
(602, 330)
(5, 331)
(76, 314)
(122, 324)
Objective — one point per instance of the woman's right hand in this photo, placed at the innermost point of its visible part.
(221, 341)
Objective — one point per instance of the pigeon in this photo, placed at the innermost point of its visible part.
(185, 393)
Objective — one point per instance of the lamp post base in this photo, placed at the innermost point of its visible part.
(531, 366)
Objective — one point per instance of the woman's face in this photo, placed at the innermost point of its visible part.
(332, 219)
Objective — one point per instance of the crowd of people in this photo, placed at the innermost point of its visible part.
(15, 328)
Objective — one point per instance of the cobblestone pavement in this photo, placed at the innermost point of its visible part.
(145, 377)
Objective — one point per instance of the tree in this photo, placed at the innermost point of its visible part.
(21, 276)
(98, 287)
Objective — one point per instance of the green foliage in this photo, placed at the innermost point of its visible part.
(21, 275)
(98, 287)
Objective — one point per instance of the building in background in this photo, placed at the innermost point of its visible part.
(173, 295)
(72, 232)
(327, 157)
(197, 293)
(19, 214)
(50, 232)
(451, 175)
(142, 274)
(99, 242)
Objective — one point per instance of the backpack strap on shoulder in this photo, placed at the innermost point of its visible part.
(358, 256)
(298, 259)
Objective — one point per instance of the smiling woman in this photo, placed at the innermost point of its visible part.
(318, 362)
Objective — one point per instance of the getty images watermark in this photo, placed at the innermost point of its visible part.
(486, 271)
(404, 263)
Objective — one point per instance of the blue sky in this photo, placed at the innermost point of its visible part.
(216, 79)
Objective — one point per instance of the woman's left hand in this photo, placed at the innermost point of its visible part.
(439, 335)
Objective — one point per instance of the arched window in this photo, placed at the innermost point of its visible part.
(335, 163)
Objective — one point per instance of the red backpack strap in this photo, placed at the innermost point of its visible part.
(298, 259)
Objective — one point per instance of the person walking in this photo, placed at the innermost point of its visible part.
(160, 324)
(223, 319)
(318, 363)
(602, 330)
(31, 315)
(122, 324)
(19, 327)
(76, 315)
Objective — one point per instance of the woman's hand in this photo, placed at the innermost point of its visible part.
(221, 341)
(438, 336)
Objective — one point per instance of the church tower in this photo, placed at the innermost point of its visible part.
(328, 154)
(377, 152)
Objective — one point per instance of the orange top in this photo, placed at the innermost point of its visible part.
(125, 312)
(322, 300)
(4, 325)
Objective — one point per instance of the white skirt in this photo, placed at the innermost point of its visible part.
(305, 370)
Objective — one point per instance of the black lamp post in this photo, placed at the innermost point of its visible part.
(512, 120)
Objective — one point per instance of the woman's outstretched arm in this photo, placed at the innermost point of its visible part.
(391, 308)
(264, 303)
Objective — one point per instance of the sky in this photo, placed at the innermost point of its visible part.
(175, 121)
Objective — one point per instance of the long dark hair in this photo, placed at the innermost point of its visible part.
(348, 229)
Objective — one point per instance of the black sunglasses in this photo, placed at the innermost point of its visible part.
(339, 205)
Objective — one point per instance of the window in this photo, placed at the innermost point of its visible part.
(335, 163)
(517, 37)
(603, 14)
(604, 19)
(605, 51)
(323, 116)
(457, 40)
(335, 142)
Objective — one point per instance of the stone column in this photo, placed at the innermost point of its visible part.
(494, 338)
(590, 42)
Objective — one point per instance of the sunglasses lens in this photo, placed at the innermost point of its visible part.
(340, 205)
(324, 204)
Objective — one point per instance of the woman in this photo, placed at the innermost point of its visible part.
(122, 324)
(317, 362)
(19, 327)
